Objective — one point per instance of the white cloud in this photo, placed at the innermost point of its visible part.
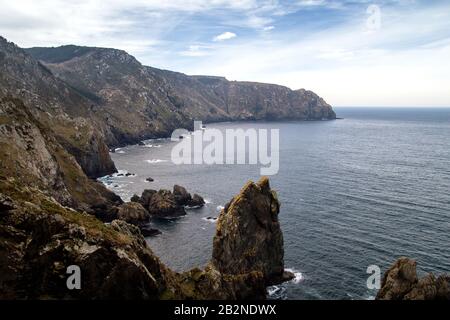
(225, 36)
(268, 28)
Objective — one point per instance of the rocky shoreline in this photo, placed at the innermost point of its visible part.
(61, 110)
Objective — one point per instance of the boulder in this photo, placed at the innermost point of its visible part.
(400, 282)
(133, 212)
(149, 179)
(248, 236)
(196, 201)
(162, 204)
(148, 231)
(182, 197)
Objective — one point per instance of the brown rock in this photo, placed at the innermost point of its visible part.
(133, 212)
(400, 282)
(182, 197)
(248, 236)
(196, 201)
(163, 205)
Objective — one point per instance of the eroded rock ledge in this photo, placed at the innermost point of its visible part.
(400, 282)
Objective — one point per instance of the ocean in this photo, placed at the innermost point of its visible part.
(359, 191)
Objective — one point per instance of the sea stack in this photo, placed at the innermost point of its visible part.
(249, 237)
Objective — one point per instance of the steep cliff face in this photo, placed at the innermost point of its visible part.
(56, 106)
(400, 282)
(157, 101)
(32, 156)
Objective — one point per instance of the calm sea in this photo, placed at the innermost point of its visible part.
(355, 192)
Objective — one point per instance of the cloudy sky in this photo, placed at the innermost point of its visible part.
(352, 53)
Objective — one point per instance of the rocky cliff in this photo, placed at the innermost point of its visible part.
(156, 101)
(40, 239)
(60, 111)
(401, 282)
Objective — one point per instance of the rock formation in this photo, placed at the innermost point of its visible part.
(41, 238)
(168, 205)
(400, 282)
(133, 213)
(249, 236)
(61, 110)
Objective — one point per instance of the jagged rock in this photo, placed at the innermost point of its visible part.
(133, 212)
(196, 201)
(41, 239)
(182, 197)
(162, 204)
(400, 282)
(149, 179)
(248, 236)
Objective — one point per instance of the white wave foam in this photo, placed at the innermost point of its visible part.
(207, 201)
(220, 208)
(298, 276)
(155, 161)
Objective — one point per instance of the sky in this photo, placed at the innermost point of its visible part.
(351, 53)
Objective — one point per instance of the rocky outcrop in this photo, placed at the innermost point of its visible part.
(196, 201)
(184, 198)
(166, 204)
(249, 237)
(400, 282)
(163, 205)
(41, 239)
(133, 213)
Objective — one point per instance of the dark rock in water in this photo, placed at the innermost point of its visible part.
(196, 201)
(147, 231)
(141, 143)
(133, 212)
(163, 205)
(129, 174)
(120, 174)
(249, 237)
(400, 282)
(150, 179)
(182, 197)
